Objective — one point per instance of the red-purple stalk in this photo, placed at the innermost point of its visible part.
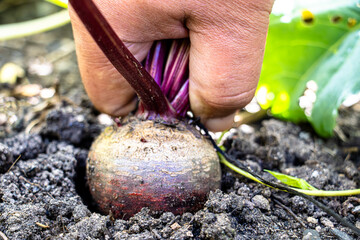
(176, 68)
(165, 76)
(173, 77)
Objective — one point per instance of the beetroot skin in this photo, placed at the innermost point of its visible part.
(149, 164)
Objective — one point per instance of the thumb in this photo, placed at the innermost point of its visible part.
(227, 47)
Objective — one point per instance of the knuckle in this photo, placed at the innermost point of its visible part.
(117, 110)
(228, 99)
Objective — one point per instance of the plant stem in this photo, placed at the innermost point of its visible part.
(181, 100)
(316, 193)
(173, 77)
(39, 25)
(144, 85)
(155, 61)
(60, 3)
(176, 69)
(241, 168)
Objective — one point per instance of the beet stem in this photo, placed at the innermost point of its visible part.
(173, 77)
(176, 68)
(181, 100)
(155, 61)
(114, 49)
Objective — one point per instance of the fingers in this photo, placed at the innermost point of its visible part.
(138, 23)
(225, 59)
(227, 45)
(106, 88)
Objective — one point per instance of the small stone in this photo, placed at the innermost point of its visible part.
(135, 228)
(266, 192)
(357, 224)
(261, 202)
(105, 119)
(356, 210)
(312, 220)
(327, 222)
(175, 226)
(315, 174)
(182, 233)
(28, 90)
(311, 234)
(318, 228)
(3, 119)
(10, 72)
(47, 93)
(249, 204)
(186, 217)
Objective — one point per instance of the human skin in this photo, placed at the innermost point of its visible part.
(227, 46)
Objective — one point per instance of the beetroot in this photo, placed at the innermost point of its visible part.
(154, 159)
(149, 164)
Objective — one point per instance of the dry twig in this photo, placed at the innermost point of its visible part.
(290, 212)
(12, 165)
(42, 225)
(3, 236)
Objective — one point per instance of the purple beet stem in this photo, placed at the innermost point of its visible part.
(172, 76)
(181, 100)
(155, 61)
(148, 91)
(176, 69)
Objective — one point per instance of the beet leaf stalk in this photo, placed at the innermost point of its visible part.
(164, 78)
(168, 63)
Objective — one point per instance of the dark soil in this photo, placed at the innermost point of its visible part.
(43, 151)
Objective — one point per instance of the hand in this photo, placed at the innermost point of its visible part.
(227, 46)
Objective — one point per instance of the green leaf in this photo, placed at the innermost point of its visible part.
(299, 53)
(337, 76)
(292, 181)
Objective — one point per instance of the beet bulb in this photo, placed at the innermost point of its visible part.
(149, 164)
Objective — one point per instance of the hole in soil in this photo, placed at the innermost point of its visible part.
(260, 140)
(81, 186)
(298, 162)
(269, 140)
(227, 179)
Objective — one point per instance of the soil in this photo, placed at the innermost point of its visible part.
(44, 142)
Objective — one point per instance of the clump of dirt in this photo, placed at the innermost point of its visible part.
(71, 124)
